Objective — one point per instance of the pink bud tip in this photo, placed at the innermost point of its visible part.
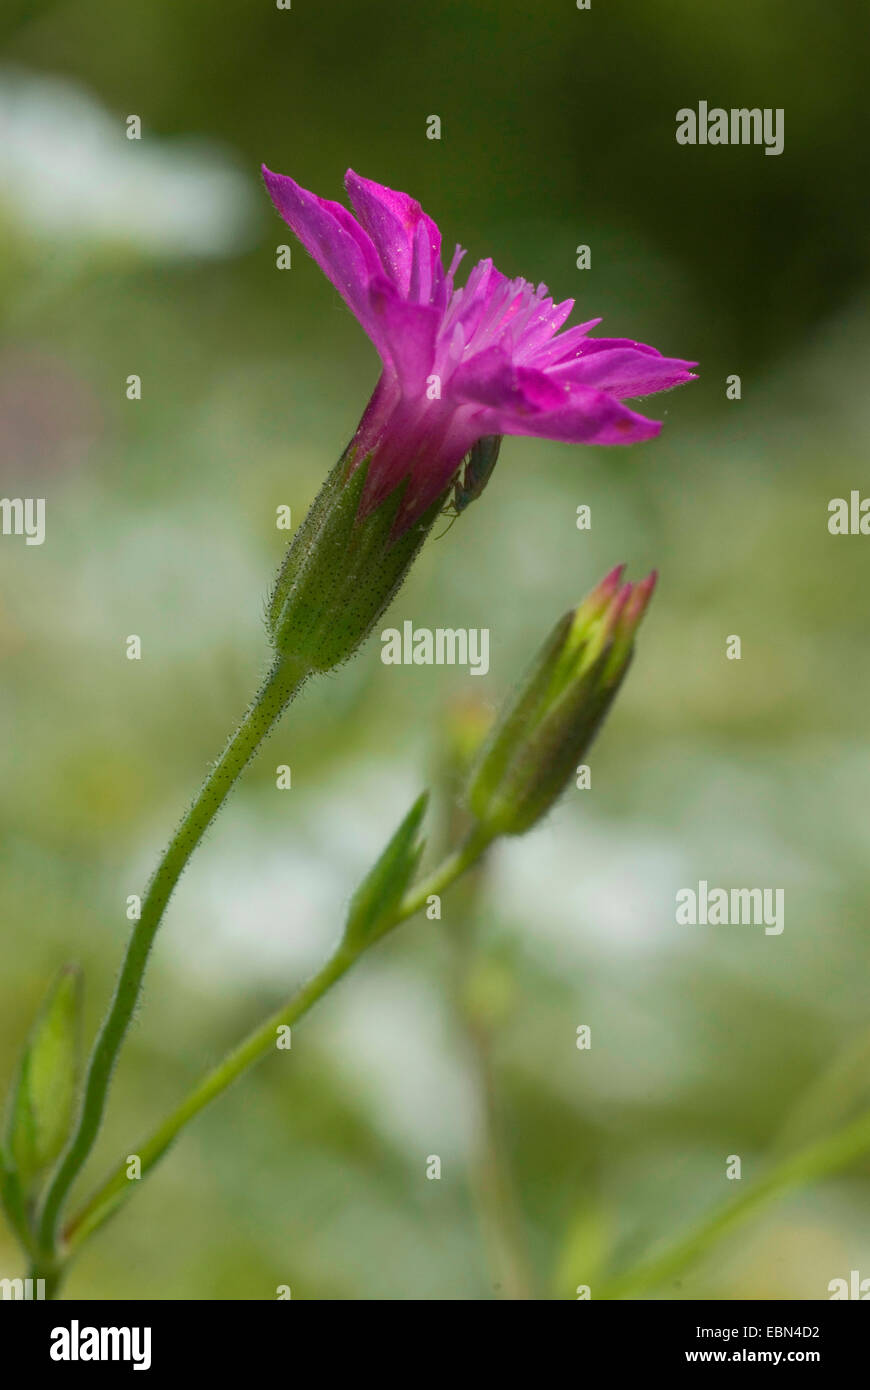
(603, 592)
(598, 601)
(637, 604)
(617, 606)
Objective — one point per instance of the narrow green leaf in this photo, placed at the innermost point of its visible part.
(374, 904)
(45, 1090)
(12, 1199)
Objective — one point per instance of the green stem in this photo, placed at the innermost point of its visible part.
(473, 846)
(262, 1041)
(51, 1272)
(817, 1160)
(492, 1182)
(501, 1213)
(269, 703)
(118, 1187)
(493, 1187)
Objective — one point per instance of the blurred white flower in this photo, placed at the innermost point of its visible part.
(67, 169)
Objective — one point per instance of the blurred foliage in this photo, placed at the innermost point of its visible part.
(558, 129)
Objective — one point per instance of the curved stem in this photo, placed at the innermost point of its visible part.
(276, 692)
(117, 1188)
(263, 1040)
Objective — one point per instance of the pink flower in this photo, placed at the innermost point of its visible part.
(459, 364)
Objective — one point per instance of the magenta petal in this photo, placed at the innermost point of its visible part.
(623, 370)
(590, 417)
(407, 241)
(608, 344)
(407, 332)
(492, 379)
(426, 269)
(564, 345)
(544, 324)
(341, 248)
(488, 358)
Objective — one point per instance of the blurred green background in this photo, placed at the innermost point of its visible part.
(157, 258)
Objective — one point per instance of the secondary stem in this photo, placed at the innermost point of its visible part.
(493, 1187)
(500, 1210)
(277, 690)
(472, 847)
(117, 1188)
(255, 1046)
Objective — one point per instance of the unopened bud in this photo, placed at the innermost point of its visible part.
(548, 727)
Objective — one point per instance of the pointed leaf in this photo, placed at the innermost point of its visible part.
(12, 1199)
(375, 903)
(45, 1091)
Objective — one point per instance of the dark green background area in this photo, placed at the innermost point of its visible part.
(557, 129)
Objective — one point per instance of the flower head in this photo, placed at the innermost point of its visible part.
(460, 364)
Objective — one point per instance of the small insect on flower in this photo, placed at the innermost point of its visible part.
(473, 475)
(476, 471)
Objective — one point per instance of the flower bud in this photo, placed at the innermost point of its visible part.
(342, 569)
(547, 729)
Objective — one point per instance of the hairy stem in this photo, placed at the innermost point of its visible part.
(258, 1044)
(276, 692)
